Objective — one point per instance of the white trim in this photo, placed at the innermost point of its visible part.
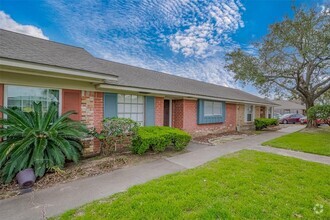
(47, 68)
(161, 92)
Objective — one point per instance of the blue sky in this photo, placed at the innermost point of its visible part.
(183, 37)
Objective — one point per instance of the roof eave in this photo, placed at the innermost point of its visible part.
(12, 65)
(111, 87)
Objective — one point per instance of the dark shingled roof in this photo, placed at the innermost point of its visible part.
(26, 48)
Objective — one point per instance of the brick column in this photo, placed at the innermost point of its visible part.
(92, 114)
(159, 111)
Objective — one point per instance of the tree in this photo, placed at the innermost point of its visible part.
(292, 59)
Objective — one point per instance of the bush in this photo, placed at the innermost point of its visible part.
(158, 138)
(115, 132)
(262, 123)
(38, 140)
(319, 112)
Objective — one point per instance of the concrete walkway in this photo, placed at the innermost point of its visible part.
(57, 199)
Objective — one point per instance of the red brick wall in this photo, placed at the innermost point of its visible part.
(71, 100)
(177, 114)
(185, 117)
(159, 111)
(92, 114)
(1, 97)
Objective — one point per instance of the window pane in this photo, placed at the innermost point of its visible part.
(134, 99)
(128, 98)
(208, 108)
(249, 117)
(120, 115)
(140, 117)
(120, 108)
(121, 98)
(127, 115)
(141, 99)
(140, 108)
(134, 108)
(134, 117)
(217, 108)
(127, 108)
(22, 97)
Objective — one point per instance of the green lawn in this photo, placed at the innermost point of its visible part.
(244, 185)
(309, 141)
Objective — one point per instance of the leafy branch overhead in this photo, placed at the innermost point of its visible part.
(292, 59)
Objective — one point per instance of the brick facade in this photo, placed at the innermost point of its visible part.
(184, 116)
(92, 116)
(159, 111)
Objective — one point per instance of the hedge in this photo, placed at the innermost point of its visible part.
(319, 111)
(262, 123)
(158, 139)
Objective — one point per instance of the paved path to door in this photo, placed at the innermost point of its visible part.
(57, 199)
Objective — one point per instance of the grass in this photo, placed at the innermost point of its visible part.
(314, 141)
(244, 185)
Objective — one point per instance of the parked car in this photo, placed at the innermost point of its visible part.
(290, 118)
(319, 121)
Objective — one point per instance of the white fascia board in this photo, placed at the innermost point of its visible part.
(47, 68)
(184, 95)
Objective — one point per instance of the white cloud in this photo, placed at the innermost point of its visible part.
(7, 23)
(209, 27)
(148, 32)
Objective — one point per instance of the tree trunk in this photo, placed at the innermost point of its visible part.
(310, 123)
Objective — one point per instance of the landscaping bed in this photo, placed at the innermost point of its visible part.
(87, 168)
(214, 138)
(243, 185)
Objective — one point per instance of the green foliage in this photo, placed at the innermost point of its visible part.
(319, 111)
(115, 131)
(243, 185)
(37, 140)
(262, 123)
(158, 138)
(292, 59)
(309, 141)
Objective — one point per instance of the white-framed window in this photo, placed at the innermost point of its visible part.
(131, 106)
(249, 113)
(212, 108)
(270, 112)
(23, 97)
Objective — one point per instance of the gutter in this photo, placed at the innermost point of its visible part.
(163, 92)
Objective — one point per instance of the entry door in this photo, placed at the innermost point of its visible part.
(166, 112)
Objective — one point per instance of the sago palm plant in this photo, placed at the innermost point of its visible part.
(37, 140)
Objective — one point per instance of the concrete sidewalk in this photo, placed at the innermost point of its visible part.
(57, 199)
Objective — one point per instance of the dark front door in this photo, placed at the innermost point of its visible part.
(166, 112)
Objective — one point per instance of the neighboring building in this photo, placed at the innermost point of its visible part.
(33, 69)
(286, 107)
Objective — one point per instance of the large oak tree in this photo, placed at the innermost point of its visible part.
(293, 58)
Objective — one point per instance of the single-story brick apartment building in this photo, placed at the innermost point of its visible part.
(33, 69)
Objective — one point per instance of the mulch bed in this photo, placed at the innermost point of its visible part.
(85, 168)
(206, 139)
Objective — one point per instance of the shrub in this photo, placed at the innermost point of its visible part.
(116, 131)
(262, 123)
(158, 138)
(319, 112)
(38, 140)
